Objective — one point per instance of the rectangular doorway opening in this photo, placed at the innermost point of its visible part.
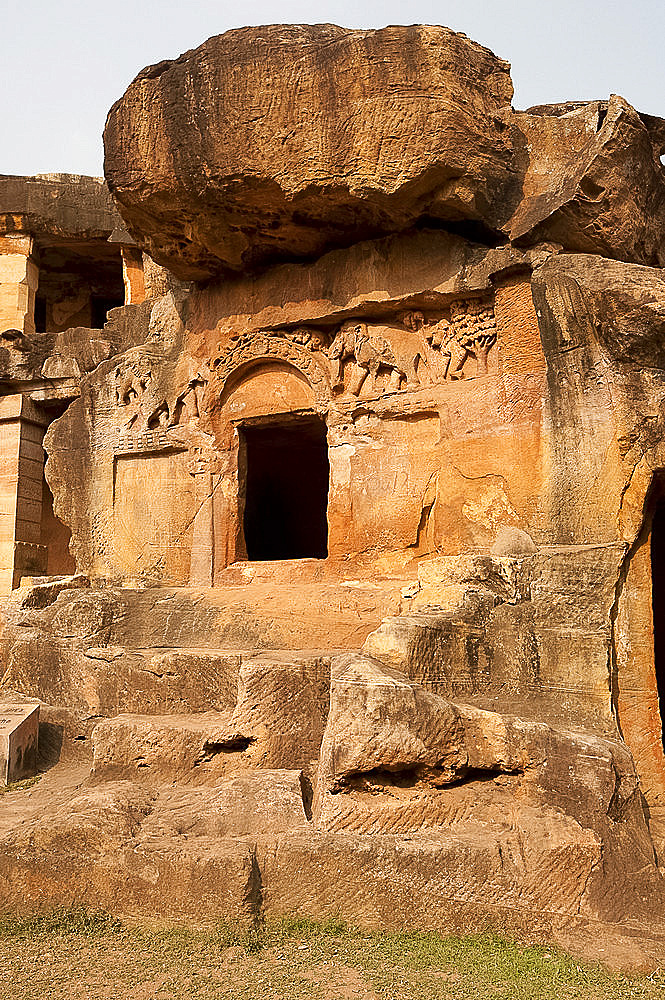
(286, 475)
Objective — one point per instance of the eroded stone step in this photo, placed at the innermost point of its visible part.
(278, 694)
(256, 615)
(274, 716)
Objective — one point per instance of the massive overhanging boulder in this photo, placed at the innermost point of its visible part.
(285, 141)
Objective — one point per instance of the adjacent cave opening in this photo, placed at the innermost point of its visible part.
(658, 597)
(79, 281)
(284, 475)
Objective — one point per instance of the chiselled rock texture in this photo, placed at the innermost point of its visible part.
(309, 136)
(284, 141)
(396, 759)
(339, 573)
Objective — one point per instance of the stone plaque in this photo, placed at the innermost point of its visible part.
(19, 734)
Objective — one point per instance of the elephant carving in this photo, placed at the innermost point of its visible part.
(370, 353)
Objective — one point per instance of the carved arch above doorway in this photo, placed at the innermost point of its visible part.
(300, 350)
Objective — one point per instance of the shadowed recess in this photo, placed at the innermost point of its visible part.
(658, 598)
(286, 496)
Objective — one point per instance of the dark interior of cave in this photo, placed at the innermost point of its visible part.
(286, 489)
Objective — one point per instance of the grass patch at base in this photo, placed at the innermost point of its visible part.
(91, 954)
(19, 786)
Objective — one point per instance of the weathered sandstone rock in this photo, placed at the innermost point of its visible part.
(164, 747)
(243, 175)
(93, 834)
(360, 542)
(382, 722)
(107, 679)
(507, 631)
(358, 133)
(397, 758)
(275, 713)
(592, 182)
(58, 205)
(244, 804)
(282, 707)
(415, 269)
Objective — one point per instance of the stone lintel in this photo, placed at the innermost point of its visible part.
(19, 407)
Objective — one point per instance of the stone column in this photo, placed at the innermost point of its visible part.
(19, 276)
(21, 478)
(132, 275)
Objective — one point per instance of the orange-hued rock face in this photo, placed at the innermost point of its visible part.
(308, 137)
(284, 141)
(429, 402)
(369, 525)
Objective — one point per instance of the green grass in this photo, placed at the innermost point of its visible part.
(19, 786)
(61, 920)
(77, 953)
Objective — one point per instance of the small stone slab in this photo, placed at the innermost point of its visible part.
(19, 737)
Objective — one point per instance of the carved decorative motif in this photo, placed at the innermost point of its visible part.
(370, 353)
(150, 402)
(303, 348)
(422, 351)
(469, 329)
(157, 440)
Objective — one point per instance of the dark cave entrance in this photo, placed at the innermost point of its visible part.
(658, 598)
(285, 473)
(79, 281)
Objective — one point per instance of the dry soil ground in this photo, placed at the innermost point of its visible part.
(75, 955)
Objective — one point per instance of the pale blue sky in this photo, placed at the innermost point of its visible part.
(64, 62)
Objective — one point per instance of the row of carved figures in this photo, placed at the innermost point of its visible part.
(419, 352)
(412, 351)
(433, 352)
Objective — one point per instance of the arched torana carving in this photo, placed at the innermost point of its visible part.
(297, 348)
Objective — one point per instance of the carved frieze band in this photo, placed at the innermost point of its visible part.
(412, 351)
(419, 351)
(298, 348)
(149, 441)
(154, 396)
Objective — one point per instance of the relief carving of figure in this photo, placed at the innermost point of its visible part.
(187, 405)
(151, 404)
(371, 352)
(446, 356)
(306, 336)
(131, 382)
(470, 332)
